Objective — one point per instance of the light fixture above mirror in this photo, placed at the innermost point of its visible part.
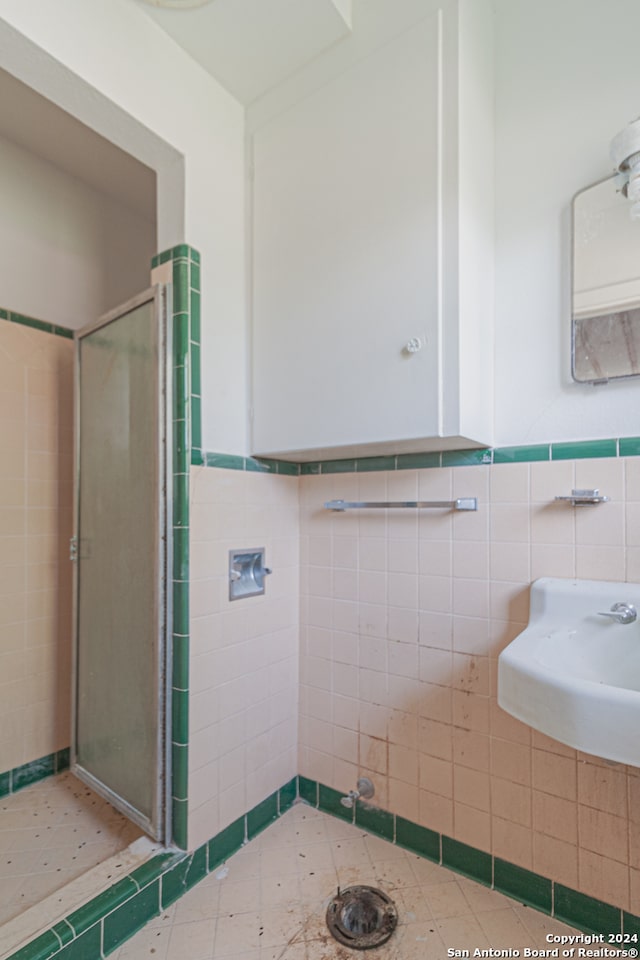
(625, 153)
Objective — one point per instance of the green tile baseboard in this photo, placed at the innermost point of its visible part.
(119, 912)
(35, 770)
(580, 911)
(35, 324)
(104, 923)
(527, 453)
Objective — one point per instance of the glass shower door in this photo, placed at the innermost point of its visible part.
(121, 544)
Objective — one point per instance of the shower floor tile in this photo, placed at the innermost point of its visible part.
(268, 902)
(51, 833)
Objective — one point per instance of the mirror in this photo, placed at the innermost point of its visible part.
(606, 285)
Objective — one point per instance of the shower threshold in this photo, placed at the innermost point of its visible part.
(60, 846)
(23, 928)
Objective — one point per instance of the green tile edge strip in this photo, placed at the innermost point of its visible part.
(186, 423)
(522, 885)
(527, 453)
(36, 324)
(119, 912)
(232, 461)
(32, 772)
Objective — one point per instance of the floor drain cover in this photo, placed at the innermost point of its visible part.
(361, 917)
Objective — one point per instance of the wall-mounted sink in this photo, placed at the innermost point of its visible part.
(575, 674)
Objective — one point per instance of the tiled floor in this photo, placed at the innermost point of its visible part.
(268, 902)
(51, 833)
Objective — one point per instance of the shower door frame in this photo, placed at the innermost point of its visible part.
(158, 825)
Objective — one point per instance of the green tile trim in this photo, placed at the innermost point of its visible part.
(84, 947)
(329, 801)
(225, 843)
(5, 784)
(128, 918)
(418, 461)
(35, 324)
(287, 795)
(119, 912)
(375, 820)
(339, 466)
(308, 791)
(584, 912)
(369, 464)
(629, 446)
(42, 948)
(467, 860)
(631, 926)
(107, 901)
(526, 454)
(184, 875)
(418, 839)
(584, 449)
(465, 458)
(64, 932)
(528, 887)
(226, 461)
(262, 815)
(231, 461)
(33, 771)
(187, 428)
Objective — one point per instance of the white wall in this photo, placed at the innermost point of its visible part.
(111, 67)
(74, 252)
(567, 80)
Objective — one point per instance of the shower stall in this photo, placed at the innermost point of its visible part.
(96, 701)
(121, 547)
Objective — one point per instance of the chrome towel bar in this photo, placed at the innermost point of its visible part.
(462, 503)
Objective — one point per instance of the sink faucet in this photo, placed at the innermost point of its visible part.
(621, 612)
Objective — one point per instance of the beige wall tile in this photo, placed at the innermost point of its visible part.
(472, 826)
(470, 674)
(607, 475)
(471, 749)
(509, 483)
(435, 738)
(555, 817)
(510, 561)
(509, 601)
(435, 630)
(404, 798)
(603, 833)
(603, 787)
(511, 801)
(374, 754)
(511, 761)
(555, 859)
(435, 775)
(445, 710)
(555, 774)
(436, 812)
(403, 764)
(512, 842)
(603, 878)
(472, 787)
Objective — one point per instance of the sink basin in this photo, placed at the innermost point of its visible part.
(574, 675)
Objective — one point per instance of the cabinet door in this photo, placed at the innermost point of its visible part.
(346, 260)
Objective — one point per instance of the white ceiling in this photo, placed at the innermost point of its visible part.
(250, 46)
(38, 125)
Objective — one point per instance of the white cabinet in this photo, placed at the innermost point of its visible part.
(372, 230)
